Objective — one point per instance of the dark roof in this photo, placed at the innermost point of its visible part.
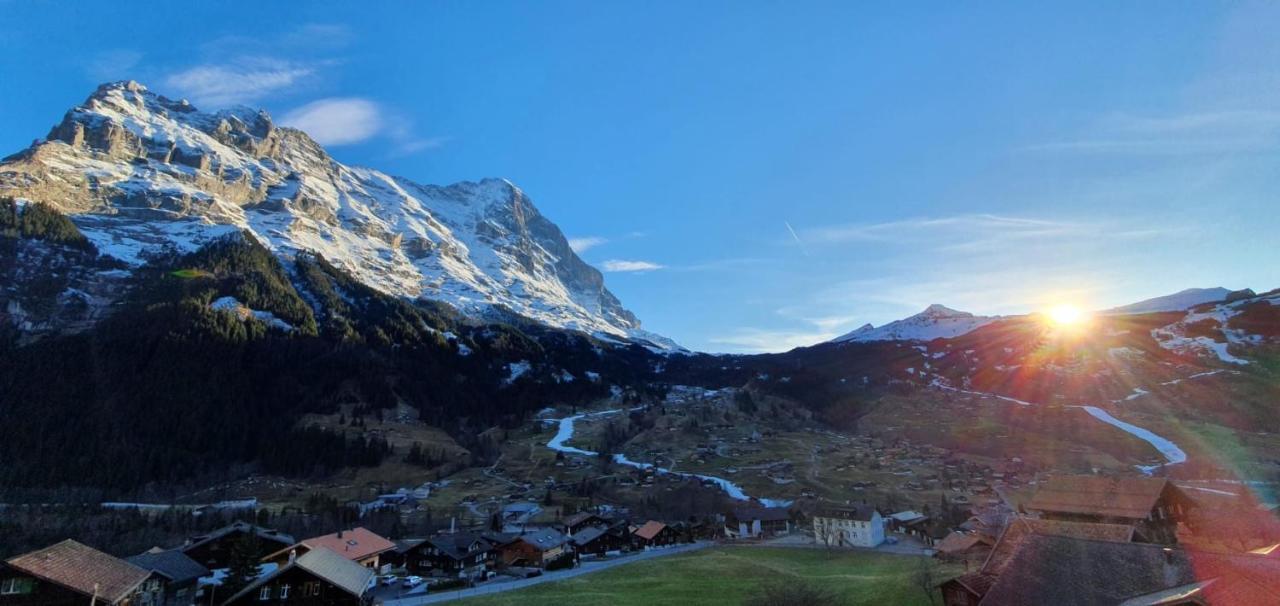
(1066, 571)
(1021, 527)
(847, 512)
(325, 564)
(1126, 497)
(266, 534)
(543, 538)
(583, 516)
(588, 535)
(172, 563)
(462, 544)
(764, 514)
(976, 582)
(82, 569)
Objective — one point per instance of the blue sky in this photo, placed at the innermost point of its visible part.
(755, 176)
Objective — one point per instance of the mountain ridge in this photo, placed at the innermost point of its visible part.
(139, 173)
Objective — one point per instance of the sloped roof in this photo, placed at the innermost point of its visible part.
(171, 563)
(583, 516)
(588, 535)
(266, 534)
(1022, 527)
(1126, 497)
(764, 514)
(460, 545)
(354, 544)
(328, 565)
(976, 582)
(82, 568)
(650, 530)
(1066, 571)
(959, 542)
(862, 513)
(544, 538)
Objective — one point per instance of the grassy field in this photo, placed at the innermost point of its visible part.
(728, 575)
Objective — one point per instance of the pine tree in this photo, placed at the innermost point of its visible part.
(242, 566)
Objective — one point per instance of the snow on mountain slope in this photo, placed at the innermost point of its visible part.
(139, 173)
(1179, 301)
(1216, 330)
(935, 322)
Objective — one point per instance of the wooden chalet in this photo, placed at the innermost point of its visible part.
(965, 546)
(72, 574)
(970, 588)
(535, 548)
(459, 555)
(359, 545)
(655, 534)
(213, 550)
(755, 522)
(1153, 506)
(179, 575)
(601, 540)
(317, 577)
(584, 519)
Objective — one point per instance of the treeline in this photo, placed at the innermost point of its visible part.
(40, 221)
(168, 392)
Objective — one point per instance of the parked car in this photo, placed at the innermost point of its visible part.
(389, 580)
(533, 573)
(410, 582)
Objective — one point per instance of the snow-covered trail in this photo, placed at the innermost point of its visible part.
(1171, 452)
(564, 433)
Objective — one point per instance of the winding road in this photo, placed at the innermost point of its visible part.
(564, 433)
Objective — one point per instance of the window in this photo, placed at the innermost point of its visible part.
(284, 592)
(16, 586)
(313, 588)
(265, 593)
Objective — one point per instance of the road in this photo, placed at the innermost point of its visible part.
(505, 584)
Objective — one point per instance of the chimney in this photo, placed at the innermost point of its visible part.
(293, 555)
(452, 520)
(339, 533)
(1168, 555)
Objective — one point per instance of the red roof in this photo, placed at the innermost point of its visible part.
(650, 530)
(83, 569)
(354, 544)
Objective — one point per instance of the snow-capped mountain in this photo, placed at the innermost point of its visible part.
(936, 321)
(138, 172)
(1179, 301)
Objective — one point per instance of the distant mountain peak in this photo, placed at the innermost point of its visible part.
(935, 322)
(1178, 301)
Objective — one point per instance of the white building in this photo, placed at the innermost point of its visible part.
(848, 526)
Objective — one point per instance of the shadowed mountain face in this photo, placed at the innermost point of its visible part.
(140, 174)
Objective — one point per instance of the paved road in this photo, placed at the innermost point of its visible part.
(503, 584)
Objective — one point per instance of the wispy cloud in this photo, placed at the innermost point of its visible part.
(754, 340)
(241, 81)
(620, 265)
(583, 244)
(337, 121)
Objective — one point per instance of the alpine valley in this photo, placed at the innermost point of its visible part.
(199, 307)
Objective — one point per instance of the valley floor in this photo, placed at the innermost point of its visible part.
(729, 575)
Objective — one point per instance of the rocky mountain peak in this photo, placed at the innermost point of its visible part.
(942, 311)
(138, 171)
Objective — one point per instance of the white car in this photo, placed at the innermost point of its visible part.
(389, 580)
(410, 582)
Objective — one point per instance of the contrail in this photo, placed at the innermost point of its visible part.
(797, 238)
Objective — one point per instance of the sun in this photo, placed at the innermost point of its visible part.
(1065, 315)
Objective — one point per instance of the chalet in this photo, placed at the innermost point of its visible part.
(655, 534)
(1153, 506)
(358, 545)
(848, 526)
(1068, 571)
(213, 550)
(319, 577)
(969, 589)
(535, 548)
(599, 540)
(178, 573)
(965, 546)
(584, 519)
(755, 522)
(70, 573)
(459, 555)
